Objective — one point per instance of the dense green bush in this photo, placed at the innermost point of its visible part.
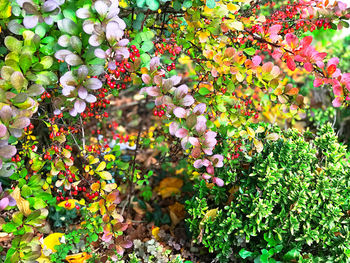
(289, 202)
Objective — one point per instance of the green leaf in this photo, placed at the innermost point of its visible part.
(5, 9)
(40, 30)
(147, 46)
(94, 237)
(25, 61)
(291, 254)
(204, 91)
(153, 4)
(187, 3)
(140, 3)
(249, 51)
(145, 58)
(138, 21)
(13, 44)
(9, 227)
(211, 4)
(245, 253)
(26, 191)
(17, 218)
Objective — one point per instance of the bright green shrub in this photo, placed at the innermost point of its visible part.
(290, 202)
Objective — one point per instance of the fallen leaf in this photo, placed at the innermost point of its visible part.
(155, 232)
(78, 258)
(177, 213)
(4, 237)
(51, 241)
(71, 202)
(170, 186)
(22, 204)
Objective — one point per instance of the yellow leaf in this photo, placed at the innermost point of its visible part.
(232, 7)
(250, 132)
(71, 203)
(101, 167)
(185, 59)
(93, 207)
(169, 186)
(51, 241)
(43, 259)
(155, 232)
(239, 77)
(109, 157)
(272, 137)
(210, 214)
(237, 25)
(260, 129)
(95, 186)
(109, 187)
(258, 145)
(203, 36)
(106, 175)
(92, 159)
(123, 4)
(22, 204)
(78, 258)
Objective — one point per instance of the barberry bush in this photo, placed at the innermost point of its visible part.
(107, 106)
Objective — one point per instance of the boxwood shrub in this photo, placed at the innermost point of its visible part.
(289, 203)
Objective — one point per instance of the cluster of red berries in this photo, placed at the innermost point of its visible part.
(94, 109)
(170, 47)
(235, 152)
(45, 95)
(16, 158)
(29, 128)
(63, 131)
(160, 110)
(91, 196)
(245, 107)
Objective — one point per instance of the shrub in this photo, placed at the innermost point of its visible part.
(291, 202)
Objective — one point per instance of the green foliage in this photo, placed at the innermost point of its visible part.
(289, 202)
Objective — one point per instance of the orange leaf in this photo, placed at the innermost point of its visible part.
(78, 258)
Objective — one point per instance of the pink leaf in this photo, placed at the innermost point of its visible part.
(173, 127)
(337, 102)
(267, 67)
(146, 78)
(275, 29)
(256, 60)
(292, 40)
(194, 141)
(308, 66)
(175, 79)
(153, 91)
(187, 101)
(318, 82)
(3, 130)
(181, 133)
(206, 176)
(181, 91)
(201, 125)
(219, 182)
(198, 164)
(79, 106)
(210, 169)
(179, 112)
(306, 41)
(291, 64)
(199, 109)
